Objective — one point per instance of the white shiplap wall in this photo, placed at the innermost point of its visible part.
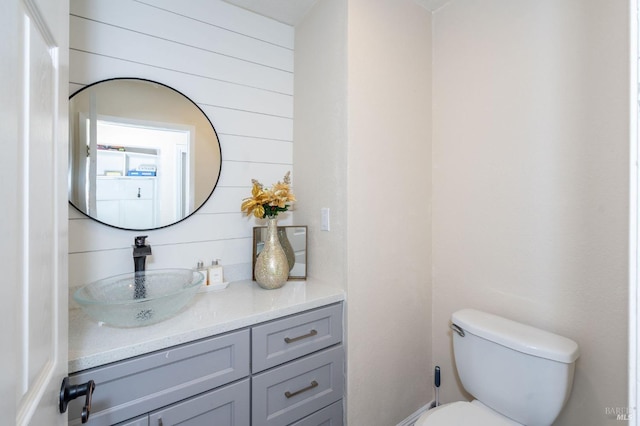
(238, 67)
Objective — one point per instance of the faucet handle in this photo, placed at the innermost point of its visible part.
(139, 241)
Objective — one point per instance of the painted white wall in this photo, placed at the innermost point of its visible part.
(530, 180)
(238, 67)
(389, 211)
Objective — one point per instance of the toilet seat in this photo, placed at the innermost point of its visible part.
(463, 413)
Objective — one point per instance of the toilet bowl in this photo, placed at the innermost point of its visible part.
(519, 375)
(464, 413)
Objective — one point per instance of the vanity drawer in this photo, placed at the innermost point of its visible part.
(139, 385)
(227, 406)
(329, 416)
(286, 339)
(290, 392)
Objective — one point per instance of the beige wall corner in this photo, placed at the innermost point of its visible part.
(389, 211)
(531, 154)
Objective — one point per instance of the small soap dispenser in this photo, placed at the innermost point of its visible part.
(215, 273)
(204, 271)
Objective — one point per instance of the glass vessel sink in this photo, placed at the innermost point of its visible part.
(131, 300)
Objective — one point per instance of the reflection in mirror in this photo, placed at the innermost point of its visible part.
(142, 155)
(293, 240)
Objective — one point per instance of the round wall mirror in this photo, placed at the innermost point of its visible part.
(141, 155)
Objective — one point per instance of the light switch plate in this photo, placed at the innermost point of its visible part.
(324, 222)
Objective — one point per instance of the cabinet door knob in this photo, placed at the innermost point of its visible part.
(138, 192)
(70, 392)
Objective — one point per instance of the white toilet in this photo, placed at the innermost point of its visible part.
(519, 375)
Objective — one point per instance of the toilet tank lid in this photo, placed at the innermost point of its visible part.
(517, 336)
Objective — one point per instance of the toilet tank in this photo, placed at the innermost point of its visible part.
(519, 371)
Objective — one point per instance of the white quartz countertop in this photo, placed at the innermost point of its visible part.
(240, 305)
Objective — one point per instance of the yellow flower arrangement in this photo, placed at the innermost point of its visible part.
(268, 202)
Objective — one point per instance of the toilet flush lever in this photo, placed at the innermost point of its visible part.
(457, 329)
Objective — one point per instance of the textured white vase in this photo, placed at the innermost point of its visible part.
(272, 266)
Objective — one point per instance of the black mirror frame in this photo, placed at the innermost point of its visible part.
(215, 184)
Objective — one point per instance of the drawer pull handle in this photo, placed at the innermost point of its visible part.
(313, 384)
(295, 339)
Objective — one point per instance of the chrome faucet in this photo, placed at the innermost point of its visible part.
(140, 252)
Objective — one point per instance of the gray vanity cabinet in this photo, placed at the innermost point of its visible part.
(288, 371)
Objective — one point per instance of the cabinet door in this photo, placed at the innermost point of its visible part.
(108, 211)
(130, 214)
(227, 406)
(138, 421)
(108, 189)
(128, 202)
(137, 214)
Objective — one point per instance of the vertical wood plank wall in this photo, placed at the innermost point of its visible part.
(238, 67)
